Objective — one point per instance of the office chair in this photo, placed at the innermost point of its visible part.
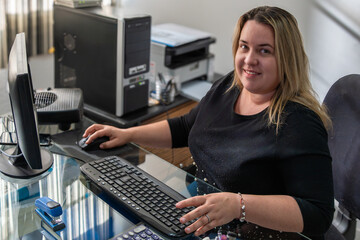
(343, 103)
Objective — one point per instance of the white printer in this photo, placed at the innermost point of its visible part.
(181, 53)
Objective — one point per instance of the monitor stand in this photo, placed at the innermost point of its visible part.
(20, 168)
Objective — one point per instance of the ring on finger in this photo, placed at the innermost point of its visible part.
(209, 219)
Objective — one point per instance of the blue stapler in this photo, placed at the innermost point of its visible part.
(50, 212)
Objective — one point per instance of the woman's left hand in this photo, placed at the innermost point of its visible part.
(212, 210)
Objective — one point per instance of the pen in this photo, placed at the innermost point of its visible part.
(161, 77)
(168, 85)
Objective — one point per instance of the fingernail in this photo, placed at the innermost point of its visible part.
(183, 220)
(187, 230)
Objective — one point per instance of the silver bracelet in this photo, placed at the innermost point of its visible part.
(242, 210)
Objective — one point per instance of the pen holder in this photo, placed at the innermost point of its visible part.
(169, 93)
(165, 90)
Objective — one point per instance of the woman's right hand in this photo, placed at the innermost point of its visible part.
(117, 136)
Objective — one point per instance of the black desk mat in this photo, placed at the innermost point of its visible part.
(66, 143)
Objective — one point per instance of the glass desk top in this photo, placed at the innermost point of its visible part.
(89, 214)
(86, 215)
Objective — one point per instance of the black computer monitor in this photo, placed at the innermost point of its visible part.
(27, 159)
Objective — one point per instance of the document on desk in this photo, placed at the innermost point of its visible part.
(173, 35)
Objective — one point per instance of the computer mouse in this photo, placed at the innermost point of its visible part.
(94, 145)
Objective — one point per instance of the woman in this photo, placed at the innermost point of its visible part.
(259, 131)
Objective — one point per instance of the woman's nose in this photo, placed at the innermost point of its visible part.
(251, 58)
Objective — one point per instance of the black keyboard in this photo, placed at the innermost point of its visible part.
(149, 199)
(138, 232)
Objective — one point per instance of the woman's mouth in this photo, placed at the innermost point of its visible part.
(250, 72)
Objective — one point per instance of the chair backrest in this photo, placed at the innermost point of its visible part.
(343, 103)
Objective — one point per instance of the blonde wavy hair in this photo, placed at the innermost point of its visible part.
(292, 62)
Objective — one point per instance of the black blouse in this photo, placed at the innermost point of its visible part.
(242, 154)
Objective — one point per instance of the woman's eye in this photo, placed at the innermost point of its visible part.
(243, 46)
(264, 51)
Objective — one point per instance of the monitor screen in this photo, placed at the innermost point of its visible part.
(27, 159)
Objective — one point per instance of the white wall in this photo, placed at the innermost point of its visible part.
(332, 51)
(217, 17)
(333, 45)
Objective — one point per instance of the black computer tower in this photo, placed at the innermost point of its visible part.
(106, 53)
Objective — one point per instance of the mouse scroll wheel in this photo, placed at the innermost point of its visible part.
(82, 141)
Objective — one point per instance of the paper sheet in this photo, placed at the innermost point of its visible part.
(174, 35)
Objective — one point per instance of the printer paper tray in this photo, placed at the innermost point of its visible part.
(195, 89)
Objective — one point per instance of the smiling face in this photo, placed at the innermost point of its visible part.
(255, 60)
